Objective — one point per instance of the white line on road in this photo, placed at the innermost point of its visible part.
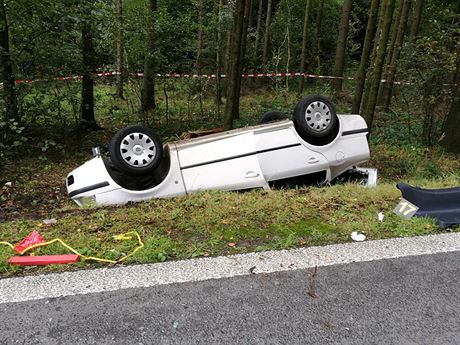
(111, 279)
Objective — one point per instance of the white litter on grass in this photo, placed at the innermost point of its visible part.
(50, 221)
(9, 184)
(381, 216)
(357, 237)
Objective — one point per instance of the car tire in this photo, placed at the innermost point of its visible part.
(136, 150)
(316, 120)
(272, 116)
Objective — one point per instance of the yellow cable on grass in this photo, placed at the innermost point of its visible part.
(123, 237)
(8, 244)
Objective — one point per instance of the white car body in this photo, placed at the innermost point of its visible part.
(245, 158)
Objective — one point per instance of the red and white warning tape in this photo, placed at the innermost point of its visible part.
(207, 76)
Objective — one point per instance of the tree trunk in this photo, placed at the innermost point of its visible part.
(220, 4)
(199, 49)
(416, 20)
(243, 44)
(9, 86)
(388, 85)
(258, 29)
(267, 34)
(244, 37)
(304, 44)
(288, 43)
(364, 64)
(121, 76)
(228, 47)
(89, 65)
(376, 75)
(148, 86)
(394, 33)
(319, 24)
(341, 48)
(381, 17)
(452, 140)
(251, 15)
(234, 66)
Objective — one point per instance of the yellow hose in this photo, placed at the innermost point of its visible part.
(123, 237)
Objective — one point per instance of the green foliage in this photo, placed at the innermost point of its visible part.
(427, 64)
(411, 162)
(286, 33)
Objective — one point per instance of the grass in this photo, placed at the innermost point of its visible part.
(210, 223)
(221, 223)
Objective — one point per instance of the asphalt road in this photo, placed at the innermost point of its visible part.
(409, 300)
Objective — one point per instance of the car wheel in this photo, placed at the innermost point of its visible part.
(136, 150)
(316, 120)
(272, 116)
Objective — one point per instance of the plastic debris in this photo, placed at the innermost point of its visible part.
(43, 260)
(34, 240)
(31, 239)
(9, 184)
(381, 216)
(50, 221)
(357, 237)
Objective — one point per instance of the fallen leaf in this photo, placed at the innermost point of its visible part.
(231, 244)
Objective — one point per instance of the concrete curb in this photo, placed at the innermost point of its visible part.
(111, 279)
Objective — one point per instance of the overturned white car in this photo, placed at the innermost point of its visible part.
(316, 145)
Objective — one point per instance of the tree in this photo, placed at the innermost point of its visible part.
(319, 24)
(148, 85)
(364, 64)
(258, 28)
(89, 65)
(11, 107)
(376, 75)
(219, 6)
(417, 18)
(120, 48)
(381, 17)
(247, 14)
(234, 66)
(341, 47)
(199, 52)
(388, 86)
(391, 46)
(304, 43)
(243, 45)
(267, 33)
(451, 140)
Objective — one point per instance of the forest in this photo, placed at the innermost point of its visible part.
(165, 62)
(73, 72)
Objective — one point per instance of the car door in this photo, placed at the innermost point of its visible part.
(282, 154)
(227, 163)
